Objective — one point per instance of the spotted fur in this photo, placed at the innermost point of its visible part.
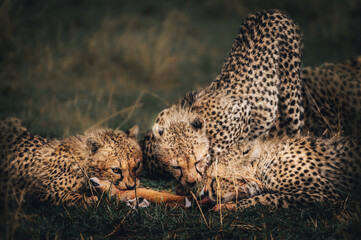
(257, 93)
(332, 98)
(57, 171)
(286, 172)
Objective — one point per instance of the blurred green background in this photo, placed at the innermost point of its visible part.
(68, 65)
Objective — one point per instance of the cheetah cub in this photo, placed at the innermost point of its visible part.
(58, 171)
(285, 173)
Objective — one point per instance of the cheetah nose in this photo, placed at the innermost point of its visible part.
(191, 184)
(130, 187)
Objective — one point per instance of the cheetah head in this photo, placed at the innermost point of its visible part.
(115, 156)
(182, 147)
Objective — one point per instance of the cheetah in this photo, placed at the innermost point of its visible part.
(229, 107)
(286, 172)
(258, 92)
(58, 171)
(332, 97)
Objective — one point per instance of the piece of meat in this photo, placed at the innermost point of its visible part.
(151, 195)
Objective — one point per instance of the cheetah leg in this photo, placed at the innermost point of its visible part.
(277, 200)
(76, 199)
(57, 193)
(62, 197)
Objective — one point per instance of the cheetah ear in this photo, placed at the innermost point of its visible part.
(93, 144)
(133, 132)
(199, 123)
(157, 130)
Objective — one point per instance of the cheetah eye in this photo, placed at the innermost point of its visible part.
(117, 170)
(176, 167)
(137, 166)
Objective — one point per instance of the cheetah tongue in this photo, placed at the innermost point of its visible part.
(206, 201)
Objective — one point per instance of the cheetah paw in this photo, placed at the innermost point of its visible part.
(224, 207)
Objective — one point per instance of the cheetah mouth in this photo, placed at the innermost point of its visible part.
(94, 182)
(104, 185)
(206, 201)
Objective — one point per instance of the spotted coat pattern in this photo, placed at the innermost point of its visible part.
(332, 98)
(257, 93)
(286, 172)
(57, 171)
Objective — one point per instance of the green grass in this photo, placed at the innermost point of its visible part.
(114, 220)
(68, 65)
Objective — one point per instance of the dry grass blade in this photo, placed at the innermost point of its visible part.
(124, 110)
(118, 226)
(99, 200)
(69, 215)
(219, 198)
(165, 101)
(314, 222)
(244, 226)
(83, 171)
(200, 209)
(318, 109)
(132, 108)
(137, 102)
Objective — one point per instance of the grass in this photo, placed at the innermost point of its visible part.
(66, 66)
(114, 220)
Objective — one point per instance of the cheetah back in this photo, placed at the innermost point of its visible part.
(332, 97)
